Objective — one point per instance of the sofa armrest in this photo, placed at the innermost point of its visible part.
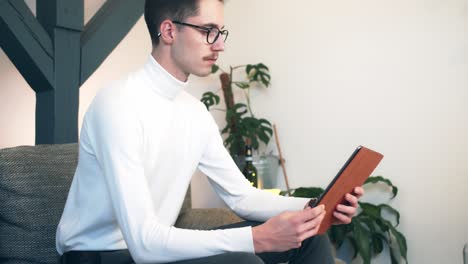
(204, 219)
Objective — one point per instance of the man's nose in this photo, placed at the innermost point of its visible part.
(218, 45)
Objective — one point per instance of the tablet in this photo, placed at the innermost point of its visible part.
(354, 172)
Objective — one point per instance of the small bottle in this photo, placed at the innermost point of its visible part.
(250, 172)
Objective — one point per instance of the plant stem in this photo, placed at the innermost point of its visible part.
(247, 96)
(237, 67)
(226, 85)
(230, 76)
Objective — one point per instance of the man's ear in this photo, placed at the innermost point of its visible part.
(167, 31)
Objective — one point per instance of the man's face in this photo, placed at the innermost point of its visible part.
(191, 52)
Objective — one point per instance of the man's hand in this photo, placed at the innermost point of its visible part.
(287, 230)
(344, 212)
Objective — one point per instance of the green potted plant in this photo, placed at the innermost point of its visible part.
(241, 123)
(369, 229)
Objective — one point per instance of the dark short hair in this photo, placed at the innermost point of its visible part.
(156, 11)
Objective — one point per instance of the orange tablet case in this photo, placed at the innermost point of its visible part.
(354, 173)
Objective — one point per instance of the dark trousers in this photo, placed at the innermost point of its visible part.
(316, 249)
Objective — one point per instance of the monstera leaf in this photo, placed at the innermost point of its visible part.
(380, 179)
(255, 129)
(258, 73)
(214, 68)
(210, 99)
(245, 127)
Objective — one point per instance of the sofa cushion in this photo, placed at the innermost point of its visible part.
(206, 218)
(34, 183)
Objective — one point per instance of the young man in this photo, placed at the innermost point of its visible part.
(141, 140)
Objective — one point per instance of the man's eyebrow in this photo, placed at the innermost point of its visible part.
(212, 25)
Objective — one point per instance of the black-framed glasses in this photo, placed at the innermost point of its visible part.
(212, 33)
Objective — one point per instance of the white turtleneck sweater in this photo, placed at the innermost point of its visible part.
(141, 141)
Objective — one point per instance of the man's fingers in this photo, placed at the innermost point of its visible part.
(342, 218)
(310, 233)
(344, 212)
(312, 224)
(351, 199)
(347, 210)
(359, 192)
(311, 213)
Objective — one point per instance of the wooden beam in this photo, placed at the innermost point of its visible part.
(46, 15)
(61, 120)
(27, 44)
(57, 13)
(57, 116)
(105, 30)
(57, 111)
(56, 57)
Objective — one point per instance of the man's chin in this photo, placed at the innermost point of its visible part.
(202, 73)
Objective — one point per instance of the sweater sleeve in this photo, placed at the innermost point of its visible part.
(235, 190)
(116, 136)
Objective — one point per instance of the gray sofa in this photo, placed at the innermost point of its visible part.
(34, 182)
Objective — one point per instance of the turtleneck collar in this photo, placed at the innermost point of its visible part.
(162, 81)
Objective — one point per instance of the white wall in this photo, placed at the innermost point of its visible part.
(391, 75)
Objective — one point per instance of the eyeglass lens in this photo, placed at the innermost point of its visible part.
(214, 34)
